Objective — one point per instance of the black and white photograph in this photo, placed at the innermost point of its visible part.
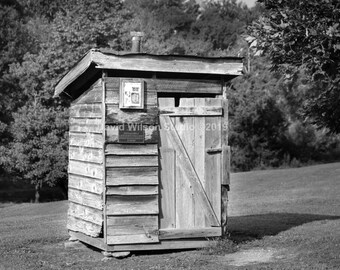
(169, 134)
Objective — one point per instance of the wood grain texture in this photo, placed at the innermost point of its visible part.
(198, 160)
(131, 149)
(184, 86)
(131, 161)
(192, 111)
(86, 154)
(85, 198)
(189, 233)
(225, 148)
(85, 213)
(131, 239)
(132, 229)
(191, 175)
(86, 139)
(91, 95)
(86, 111)
(213, 160)
(132, 176)
(191, 243)
(185, 216)
(86, 169)
(85, 183)
(114, 115)
(79, 225)
(86, 125)
(151, 134)
(177, 64)
(132, 190)
(167, 187)
(132, 205)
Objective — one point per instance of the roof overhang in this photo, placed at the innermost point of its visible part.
(96, 60)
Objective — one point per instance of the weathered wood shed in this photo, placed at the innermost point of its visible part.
(148, 154)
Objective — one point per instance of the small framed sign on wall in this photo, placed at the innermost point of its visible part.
(131, 94)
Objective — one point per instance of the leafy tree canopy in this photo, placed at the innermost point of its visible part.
(305, 34)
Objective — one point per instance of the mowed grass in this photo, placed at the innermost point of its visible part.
(292, 214)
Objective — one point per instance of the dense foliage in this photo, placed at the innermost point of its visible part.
(41, 40)
(305, 34)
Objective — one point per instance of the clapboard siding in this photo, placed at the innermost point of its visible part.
(171, 86)
(131, 149)
(92, 155)
(132, 176)
(93, 95)
(86, 169)
(79, 225)
(128, 229)
(132, 190)
(85, 183)
(86, 111)
(85, 213)
(86, 139)
(85, 198)
(131, 161)
(131, 205)
(93, 125)
(151, 134)
(148, 116)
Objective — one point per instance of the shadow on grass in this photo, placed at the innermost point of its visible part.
(247, 228)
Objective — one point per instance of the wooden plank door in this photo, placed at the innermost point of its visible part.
(190, 167)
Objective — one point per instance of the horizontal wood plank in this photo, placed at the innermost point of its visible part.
(192, 111)
(85, 183)
(132, 190)
(131, 161)
(189, 233)
(85, 213)
(93, 95)
(131, 149)
(86, 169)
(131, 205)
(131, 239)
(86, 154)
(184, 86)
(83, 226)
(151, 134)
(86, 111)
(132, 176)
(114, 115)
(165, 245)
(129, 225)
(85, 198)
(86, 139)
(220, 66)
(93, 125)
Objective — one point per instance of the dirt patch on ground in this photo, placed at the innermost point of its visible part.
(252, 256)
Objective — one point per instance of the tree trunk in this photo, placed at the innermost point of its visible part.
(37, 192)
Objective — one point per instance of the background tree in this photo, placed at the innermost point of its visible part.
(306, 35)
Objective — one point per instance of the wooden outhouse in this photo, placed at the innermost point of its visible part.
(148, 154)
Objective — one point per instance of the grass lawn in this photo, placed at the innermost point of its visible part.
(278, 219)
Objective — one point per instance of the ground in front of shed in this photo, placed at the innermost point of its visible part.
(282, 219)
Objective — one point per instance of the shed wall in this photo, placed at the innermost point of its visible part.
(86, 174)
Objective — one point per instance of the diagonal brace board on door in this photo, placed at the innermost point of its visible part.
(189, 170)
